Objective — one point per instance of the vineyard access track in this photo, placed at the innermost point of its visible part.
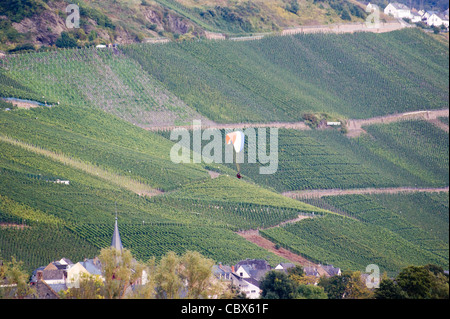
(317, 193)
(354, 126)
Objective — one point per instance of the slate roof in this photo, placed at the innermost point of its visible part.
(116, 242)
(221, 270)
(52, 274)
(57, 287)
(92, 266)
(311, 271)
(442, 16)
(67, 261)
(287, 265)
(399, 6)
(259, 264)
(244, 282)
(331, 270)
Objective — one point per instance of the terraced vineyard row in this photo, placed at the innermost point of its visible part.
(105, 79)
(351, 244)
(146, 240)
(430, 236)
(151, 166)
(410, 153)
(279, 78)
(39, 244)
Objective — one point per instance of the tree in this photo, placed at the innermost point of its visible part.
(357, 288)
(439, 283)
(196, 270)
(167, 277)
(390, 290)
(297, 270)
(293, 7)
(66, 41)
(14, 277)
(311, 292)
(336, 286)
(91, 287)
(345, 15)
(120, 270)
(277, 285)
(189, 275)
(416, 281)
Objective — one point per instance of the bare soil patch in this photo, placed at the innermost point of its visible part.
(11, 225)
(254, 237)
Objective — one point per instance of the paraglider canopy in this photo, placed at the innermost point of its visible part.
(237, 139)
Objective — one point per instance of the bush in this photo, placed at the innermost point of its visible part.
(310, 119)
(345, 15)
(293, 7)
(23, 47)
(277, 285)
(17, 10)
(66, 40)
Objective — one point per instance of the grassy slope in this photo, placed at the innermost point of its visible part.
(279, 78)
(412, 229)
(84, 211)
(88, 203)
(146, 160)
(413, 153)
(351, 244)
(105, 79)
(237, 17)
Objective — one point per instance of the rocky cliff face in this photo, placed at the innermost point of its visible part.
(169, 21)
(43, 29)
(46, 27)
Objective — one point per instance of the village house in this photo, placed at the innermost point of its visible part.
(438, 19)
(64, 274)
(415, 16)
(88, 267)
(252, 268)
(331, 270)
(246, 275)
(398, 10)
(51, 279)
(223, 272)
(284, 266)
(248, 286)
(311, 271)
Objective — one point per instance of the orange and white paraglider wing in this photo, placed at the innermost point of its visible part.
(237, 139)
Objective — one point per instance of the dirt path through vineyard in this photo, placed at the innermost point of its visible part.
(354, 126)
(254, 237)
(317, 193)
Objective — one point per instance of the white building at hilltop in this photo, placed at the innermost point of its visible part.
(438, 19)
(398, 10)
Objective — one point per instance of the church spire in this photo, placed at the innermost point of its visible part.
(116, 242)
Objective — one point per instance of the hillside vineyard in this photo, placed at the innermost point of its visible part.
(98, 130)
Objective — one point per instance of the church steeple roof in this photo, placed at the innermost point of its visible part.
(116, 242)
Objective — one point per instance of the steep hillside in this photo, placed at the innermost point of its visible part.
(280, 78)
(93, 104)
(31, 24)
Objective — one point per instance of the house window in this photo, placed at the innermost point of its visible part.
(242, 274)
